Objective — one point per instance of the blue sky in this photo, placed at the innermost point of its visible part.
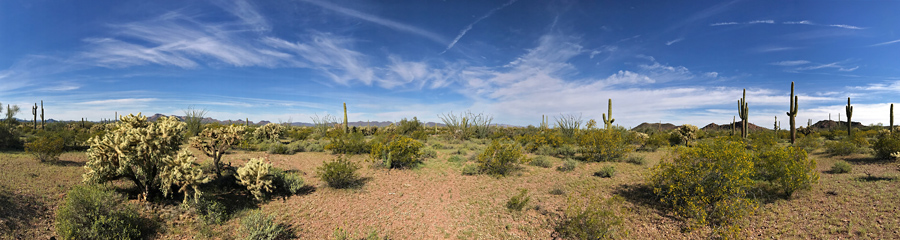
(669, 61)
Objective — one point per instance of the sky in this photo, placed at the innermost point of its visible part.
(682, 62)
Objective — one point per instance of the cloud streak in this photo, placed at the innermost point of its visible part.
(885, 43)
(803, 22)
(469, 27)
(380, 21)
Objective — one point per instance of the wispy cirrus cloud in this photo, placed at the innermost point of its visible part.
(803, 22)
(380, 21)
(885, 43)
(469, 27)
(673, 41)
(790, 63)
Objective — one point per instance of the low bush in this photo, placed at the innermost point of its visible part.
(456, 158)
(500, 158)
(9, 137)
(540, 161)
(886, 144)
(470, 169)
(45, 148)
(210, 211)
(591, 218)
(603, 145)
(843, 147)
(278, 148)
(517, 202)
(354, 143)
(568, 165)
(91, 212)
(428, 153)
(289, 183)
(789, 169)
(339, 173)
(260, 226)
(841, 167)
(707, 184)
(636, 159)
(655, 141)
(809, 143)
(257, 177)
(606, 172)
(401, 152)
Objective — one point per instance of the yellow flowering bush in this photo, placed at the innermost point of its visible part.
(707, 183)
(500, 158)
(533, 141)
(401, 152)
(603, 145)
(789, 169)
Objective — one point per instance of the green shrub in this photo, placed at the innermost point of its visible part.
(568, 165)
(278, 148)
(763, 140)
(90, 212)
(428, 153)
(841, 167)
(257, 177)
(456, 158)
(707, 183)
(606, 172)
(339, 173)
(289, 182)
(260, 226)
(408, 127)
(566, 150)
(401, 152)
(540, 161)
(885, 145)
(809, 143)
(470, 169)
(354, 143)
(656, 141)
(790, 169)
(210, 211)
(46, 148)
(500, 158)
(603, 145)
(9, 137)
(557, 191)
(591, 218)
(518, 201)
(846, 146)
(636, 159)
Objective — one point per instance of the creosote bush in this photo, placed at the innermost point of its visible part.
(401, 152)
(519, 201)
(707, 183)
(45, 148)
(568, 165)
(257, 177)
(590, 217)
(260, 226)
(848, 145)
(788, 168)
(288, 182)
(603, 145)
(91, 212)
(339, 173)
(353, 143)
(500, 158)
(841, 167)
(540, 161)
(886, 144)
(606, 172)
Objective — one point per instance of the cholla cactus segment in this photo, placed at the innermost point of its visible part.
(134, 150)
(214, 142)
(182, 172)
(257, 177)
(271, 131)
(687, 133)
(895, 155)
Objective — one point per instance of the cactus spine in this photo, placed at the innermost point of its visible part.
(34, 112)
(849, 110)
(792, 113)
(346, 127)
(608, 122)
(743, 111)
(892, 118)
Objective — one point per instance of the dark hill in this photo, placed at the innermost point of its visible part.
(737, 125)
(643, 127)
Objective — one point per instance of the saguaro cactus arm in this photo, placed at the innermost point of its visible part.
(609, 121)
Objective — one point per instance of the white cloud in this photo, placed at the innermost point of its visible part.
(469, 27)
(790, 63)
(761, 21)
(885, 43)
(380, 21)
(330, 55)
(724, 24)
(838, 65)
(674, 41)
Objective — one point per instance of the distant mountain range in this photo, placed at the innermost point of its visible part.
(823, 124)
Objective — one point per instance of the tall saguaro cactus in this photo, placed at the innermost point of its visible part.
(42, 114)
(608, 121)
(346, 127)
(776, 126)
(892, 118)
(34, 112)
(732, 125)
(792, 113)
(743, 112)
(849, 110)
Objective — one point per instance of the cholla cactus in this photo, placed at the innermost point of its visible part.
(135, 150)
(184, 173)
(686, 133)
(255, 175)
(215, 142)
(271, 131)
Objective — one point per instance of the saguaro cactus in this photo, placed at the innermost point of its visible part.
(849, 110)
(776, 126)
(732, 125)
(792, 113)
(608, 121)
(346, 127)
(743, 112)
(892, 118)
(34, 112)
(42, 114)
